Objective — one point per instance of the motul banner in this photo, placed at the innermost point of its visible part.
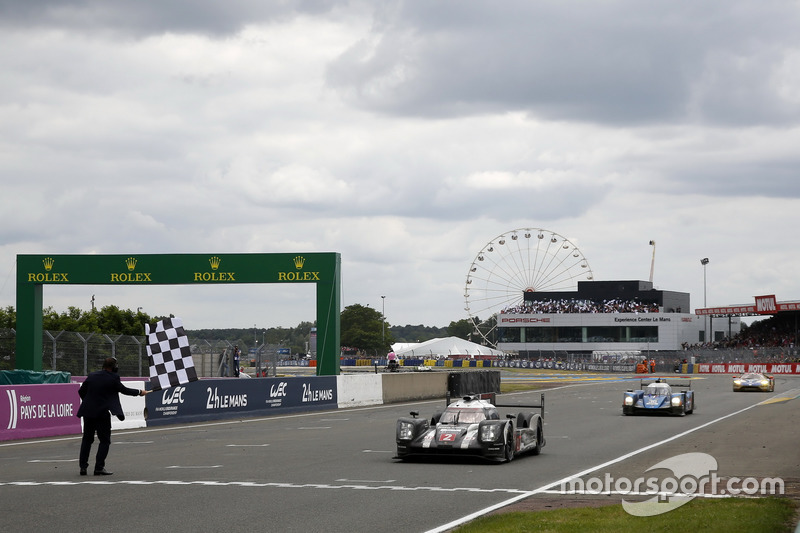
(766, 305)
(741, 368)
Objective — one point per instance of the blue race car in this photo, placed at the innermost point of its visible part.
(753, 381)
(659, 397)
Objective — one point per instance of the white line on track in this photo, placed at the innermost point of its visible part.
(344, 485)
(544, 488)
(195, 467)
(52, 460)
(366, 480)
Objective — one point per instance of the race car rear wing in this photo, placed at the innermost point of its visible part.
(643, 383)
(491, 397)
(540, 406)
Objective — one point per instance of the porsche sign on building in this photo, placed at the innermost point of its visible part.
(604, 316)
(597, 332)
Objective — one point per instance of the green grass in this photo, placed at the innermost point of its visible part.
(517, 387)
(765, 515)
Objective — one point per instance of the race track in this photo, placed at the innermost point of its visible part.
(334, 471)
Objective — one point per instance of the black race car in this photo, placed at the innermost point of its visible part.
(472, 426)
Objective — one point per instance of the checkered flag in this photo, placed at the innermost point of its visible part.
(169, 354)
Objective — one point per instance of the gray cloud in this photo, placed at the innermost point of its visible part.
(130, 17)
(616, 63)
(404, 136)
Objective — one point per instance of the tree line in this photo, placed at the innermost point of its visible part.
(362, 329)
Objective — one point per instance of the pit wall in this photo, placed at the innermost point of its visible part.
(401, 387)
(47, 410)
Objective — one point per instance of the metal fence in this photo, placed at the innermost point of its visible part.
(666, 360)
(742, 355)
(80, 353)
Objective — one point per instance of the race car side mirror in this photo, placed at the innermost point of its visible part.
(415, 414)
(510, 417)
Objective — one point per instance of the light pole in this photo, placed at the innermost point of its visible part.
(704, 262)
(653, 260)
(383, 319)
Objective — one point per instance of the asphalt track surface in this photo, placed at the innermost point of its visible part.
(335, 471)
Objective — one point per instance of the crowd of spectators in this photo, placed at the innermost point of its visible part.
(774, 332)
(771, 340)
(573, 305)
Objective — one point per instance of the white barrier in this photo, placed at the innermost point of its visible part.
(132, 406)
(359, 390)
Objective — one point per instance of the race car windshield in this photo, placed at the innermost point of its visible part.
(752, 376)
(462, 416)
(657, 390)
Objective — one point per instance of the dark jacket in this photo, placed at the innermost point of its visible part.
(100, 394)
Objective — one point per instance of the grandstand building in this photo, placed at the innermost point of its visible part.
(606, 316)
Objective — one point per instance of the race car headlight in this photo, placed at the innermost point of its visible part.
(765, 383)
(489, 432)
(405, 431)
(676, 401)
(737, 381)
(628, 400)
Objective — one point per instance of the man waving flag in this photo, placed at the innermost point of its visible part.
(169, 354)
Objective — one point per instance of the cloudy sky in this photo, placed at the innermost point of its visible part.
(405, 136)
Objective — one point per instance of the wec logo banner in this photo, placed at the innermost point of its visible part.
(211, 399)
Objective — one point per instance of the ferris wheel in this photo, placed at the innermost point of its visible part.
(513, 263)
